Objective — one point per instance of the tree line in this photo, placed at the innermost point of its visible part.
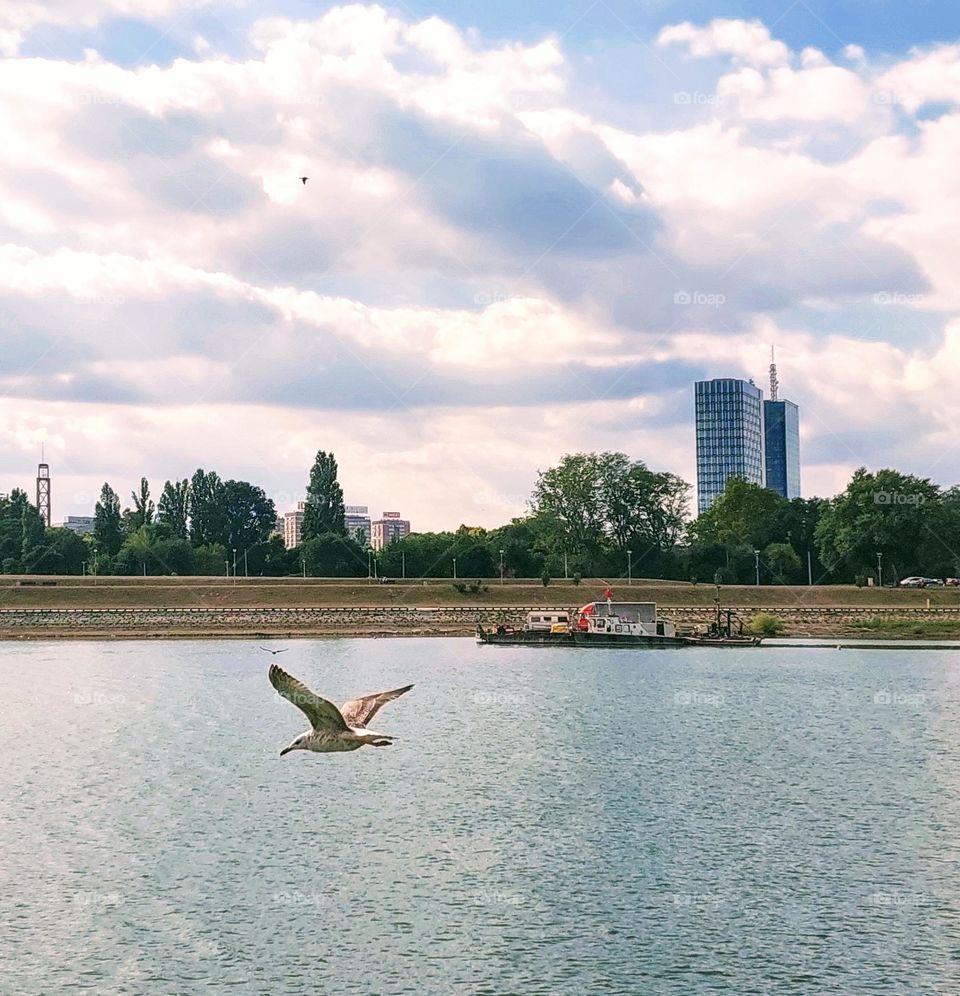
(592, 515)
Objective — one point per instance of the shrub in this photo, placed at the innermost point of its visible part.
(576, 578)
(765, 624)
(545, 577)
(469, 587)
(860, 580)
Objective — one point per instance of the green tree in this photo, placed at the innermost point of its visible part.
(210, 560)
(108, 522)
(782, 563)
(153, 551)
(173, 508)
(21, 534)
(744, 515)
(62, 552)
(249, 515)
(143, 507)
(332, 555)
(525, 543)
(324, 512)
(568, 499)
(594, 507)
(208, 524)
(897, 515)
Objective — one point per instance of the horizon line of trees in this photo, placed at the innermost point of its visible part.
(594, 514)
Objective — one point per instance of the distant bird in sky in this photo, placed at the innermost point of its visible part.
(333, 729)
(303, 180)
(275, 652)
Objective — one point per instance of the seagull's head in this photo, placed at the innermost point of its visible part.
(298, 744)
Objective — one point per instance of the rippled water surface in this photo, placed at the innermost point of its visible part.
(549, 821)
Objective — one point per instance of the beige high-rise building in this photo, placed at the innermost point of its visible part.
(293, 526)
(387, 528)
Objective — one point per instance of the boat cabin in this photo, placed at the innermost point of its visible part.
(631, 618)
(546, 620)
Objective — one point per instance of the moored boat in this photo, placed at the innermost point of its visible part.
(606, 623)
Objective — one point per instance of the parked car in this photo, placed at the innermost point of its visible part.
(952, 582)
(932, 583)
(911, 583)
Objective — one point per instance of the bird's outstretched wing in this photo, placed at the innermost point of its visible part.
(323, 715)
(359, 712)
(275, 652)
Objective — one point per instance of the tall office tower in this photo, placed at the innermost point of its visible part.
(43, 490)
(781, 432)
(729, 425)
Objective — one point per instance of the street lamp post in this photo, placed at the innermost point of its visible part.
(369, 565)
(227, 562)
(83, 568)
(629, 566)
(756, 564)
(246, 573)
(501, 567)
(879, 569)
(234, 566)
(566, 573)
(403, 564)
(454, 568)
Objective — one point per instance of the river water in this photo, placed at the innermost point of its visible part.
(549, 821)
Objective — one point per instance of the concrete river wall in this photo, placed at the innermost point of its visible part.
(375, 621)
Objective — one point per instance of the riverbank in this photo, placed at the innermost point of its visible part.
(381, 621)
(137, 608)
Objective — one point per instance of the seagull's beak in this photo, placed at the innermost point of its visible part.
(286, 750)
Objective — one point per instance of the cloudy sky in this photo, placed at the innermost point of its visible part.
(528, 228)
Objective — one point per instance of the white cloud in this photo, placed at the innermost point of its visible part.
(748, 42)
(475, 257)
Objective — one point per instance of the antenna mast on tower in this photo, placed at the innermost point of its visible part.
(774, 382)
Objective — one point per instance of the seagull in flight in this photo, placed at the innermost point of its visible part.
(333, 729)
(275, 652)
(303, 180)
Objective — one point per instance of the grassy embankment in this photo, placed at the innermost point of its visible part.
(119, 592)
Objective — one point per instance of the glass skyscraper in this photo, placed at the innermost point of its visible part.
(730, 438)
(781, 430)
